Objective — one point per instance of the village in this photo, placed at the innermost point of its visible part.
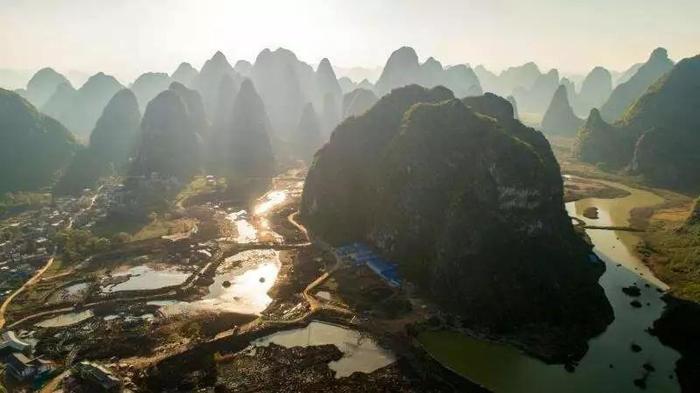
(207, 275)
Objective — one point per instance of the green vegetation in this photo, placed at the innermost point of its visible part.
(657, 138)
(78, 244)
(672, 245)
(628, 92)
(21, 199)
(112, 143)
(449, 189)
(37, 144)
(560, 118)
(170, 145)
(162, 227)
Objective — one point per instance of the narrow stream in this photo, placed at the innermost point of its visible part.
(609, 365)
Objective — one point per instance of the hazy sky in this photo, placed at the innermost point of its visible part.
(127, 37)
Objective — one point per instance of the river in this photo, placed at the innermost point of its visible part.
(609, 365)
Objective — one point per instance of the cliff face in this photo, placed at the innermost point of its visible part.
(471, 206)
(658, 136)
(35, 148)
(560, 118)
(628, 92)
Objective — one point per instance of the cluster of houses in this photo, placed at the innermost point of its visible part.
(20, 364)
(24, 368)
(359, 254)
(24, 239)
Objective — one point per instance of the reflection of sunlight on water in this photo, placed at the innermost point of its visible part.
(245, 231)
(251, 274)
(270, 200)
(359, 353)
(146, 278)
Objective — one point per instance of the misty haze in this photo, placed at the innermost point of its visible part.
(334, 196)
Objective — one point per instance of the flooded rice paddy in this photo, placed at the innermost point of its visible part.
(360, 352)
(146, 277)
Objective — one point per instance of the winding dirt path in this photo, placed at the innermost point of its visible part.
(29, 282)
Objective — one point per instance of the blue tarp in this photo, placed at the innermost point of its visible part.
(360, 254)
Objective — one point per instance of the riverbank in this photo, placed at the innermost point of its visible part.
(670, 247)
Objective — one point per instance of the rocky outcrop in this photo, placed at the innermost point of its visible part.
(599, 142)
(514, 78)
(285, 84)
(308, 134)
(209, 80)
(536, 99)
(169, 145)
(85, 106)
(112, 144)
(43, 85)
(147, 86)
(514, 103)
(358, 102)
(331, 114)
(195, 108)
(595, 90)
(326, 81)
(658, 136)
(61, 101)
(244, 149)
(35, 148)
(403, 68)
(451, 194)
(346, 85)
(243, 67)
(227, 96)
(560, 118)
(185, 74)
(628, 92)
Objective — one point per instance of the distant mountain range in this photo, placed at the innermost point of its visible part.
(294, 95)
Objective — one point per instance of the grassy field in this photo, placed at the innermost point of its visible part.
(672, 248)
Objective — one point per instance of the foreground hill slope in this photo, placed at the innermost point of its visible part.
(471, 206)
(34, 148)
